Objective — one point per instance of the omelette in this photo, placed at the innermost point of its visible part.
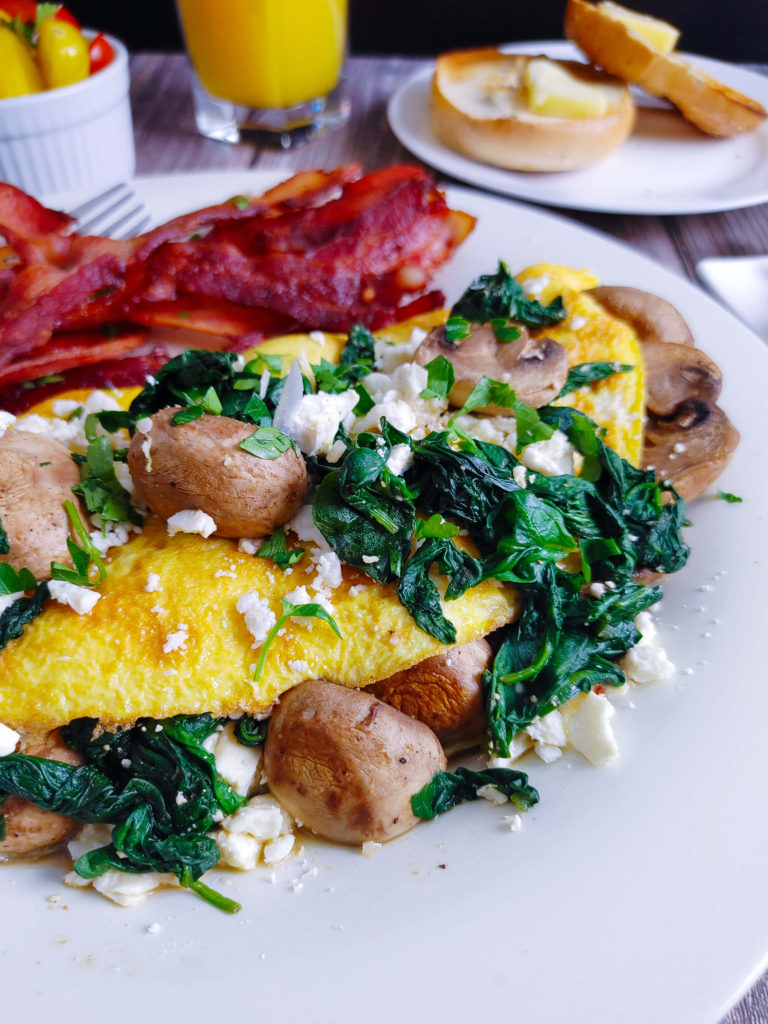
(166, 636)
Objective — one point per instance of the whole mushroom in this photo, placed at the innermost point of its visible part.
(535, 368)
(688, 438)
(200, 465)
(36, 478)
(29, 830)
(346, 764)
(444, 692)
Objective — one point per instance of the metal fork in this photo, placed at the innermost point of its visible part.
(116, 213)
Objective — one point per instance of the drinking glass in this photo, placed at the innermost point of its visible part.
(267, 68)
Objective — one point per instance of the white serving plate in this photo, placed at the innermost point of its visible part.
(632, 894)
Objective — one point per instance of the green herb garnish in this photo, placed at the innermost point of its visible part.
(277, 549)
(304, 611)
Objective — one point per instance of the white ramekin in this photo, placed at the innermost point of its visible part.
(78, 136)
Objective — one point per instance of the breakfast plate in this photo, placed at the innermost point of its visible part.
(666, 165)
(633, 893)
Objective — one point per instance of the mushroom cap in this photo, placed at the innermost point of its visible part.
(535, 368)
(200, 465)
(691, 447)
(444, 692)
(688, 438)
(653, 318)
(36, 478)
(29, 830)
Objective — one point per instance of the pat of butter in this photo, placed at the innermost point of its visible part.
(658, 33)
(556, 91)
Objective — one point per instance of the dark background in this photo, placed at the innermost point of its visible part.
(735, 30)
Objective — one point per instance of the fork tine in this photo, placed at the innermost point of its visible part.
(125, 222)
(94, 201)
(87, 227)
(135, 229)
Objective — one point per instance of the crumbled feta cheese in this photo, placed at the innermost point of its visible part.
(259, 617)
(238, 850)
(553, 457)
(370, 559)
(111, 535)
(589, 728)
(237, 764)
(518, 746)
(492, 795)
(318, 337)
(518, 475)
(369, 847)
(153, 583)
(400, 459)
(249, 545)
(304, 527)
(577, 322)
(176, 641)
(298, 666)
(123, 888)
(388, 356)
(535, 285)
(317, 418)
(501, 430)
(144, 425)
(8, 740)
(262, 817)
(302, 596)
(65, 407)
(647, 663)
(191, 520)
(335, 452)
(277, 850)
(80, 599)
(328, 568)
(549, 729)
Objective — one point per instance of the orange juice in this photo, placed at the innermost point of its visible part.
(266, 53)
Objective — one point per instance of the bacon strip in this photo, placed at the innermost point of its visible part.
(76, 349)
(324, 249)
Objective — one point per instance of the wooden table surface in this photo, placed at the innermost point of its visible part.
(167, 141)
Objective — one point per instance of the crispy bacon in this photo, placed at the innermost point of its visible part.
(324, 249)
(130, 371)
(214, 317)
(78, 348)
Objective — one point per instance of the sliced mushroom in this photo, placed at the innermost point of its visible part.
(653, 318)
(675, 373)
(690, 448)
(688, 439)
(536, 368)
(30, 831)
(444, 692)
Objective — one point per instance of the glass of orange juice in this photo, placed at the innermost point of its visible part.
(267, 67)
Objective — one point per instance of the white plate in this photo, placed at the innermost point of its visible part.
(634, 893)
(666, 165)
(741, 282)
